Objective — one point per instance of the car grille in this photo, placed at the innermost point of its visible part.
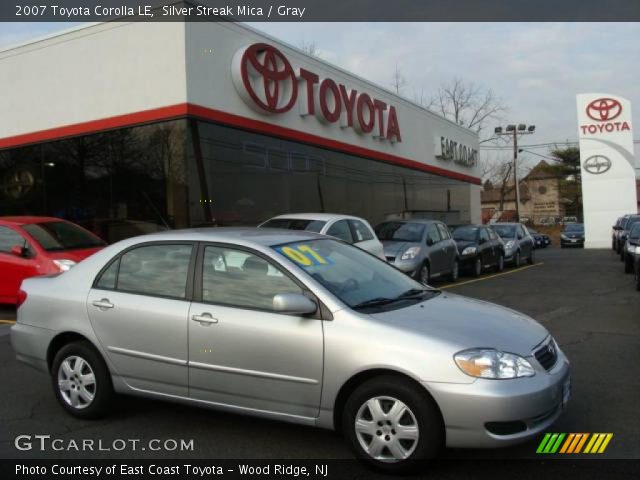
(391, 259)
(547, 355)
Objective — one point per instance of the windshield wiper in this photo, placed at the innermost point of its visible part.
(374, 302)
(412, 293)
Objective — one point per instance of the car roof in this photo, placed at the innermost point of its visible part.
(27, 220)
(314, 216)
(236, 235)
(412, 220)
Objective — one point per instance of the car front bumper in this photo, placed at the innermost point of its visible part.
(531, 403)
(572, 242)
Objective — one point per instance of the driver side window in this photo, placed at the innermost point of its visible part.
(433, 236)
(9, 239)
(242, 279)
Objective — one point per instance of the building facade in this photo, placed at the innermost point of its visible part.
(541, 200)
(128, 128)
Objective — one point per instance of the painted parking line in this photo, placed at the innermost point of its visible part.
(509, 272)
(8, 322)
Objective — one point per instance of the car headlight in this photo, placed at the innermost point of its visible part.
(631, 249)
(563, 236)
(509, 244)
(410, 253)
(469, 251)
(64, 265)
(494, 364)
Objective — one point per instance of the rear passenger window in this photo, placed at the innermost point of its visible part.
(158, 270)
(361, 232)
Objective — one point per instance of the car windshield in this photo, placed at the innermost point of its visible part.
(400, 231)
(58, 236)
(357, 278)
(295, 224)
(574, 228)
(465, 234)
(505, 231)
(532, 231)
(631, 222)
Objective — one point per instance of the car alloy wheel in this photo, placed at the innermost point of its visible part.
(82, 381)
(76, 382)
(387, 429)
(477, 267)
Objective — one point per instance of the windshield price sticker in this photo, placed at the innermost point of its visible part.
(304, 255)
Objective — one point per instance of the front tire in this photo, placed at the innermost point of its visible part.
(81, 381)
(455, 273)
(517, 261)
(477, 267)
(390, 423)
(424, 274)
(628, 265)
(532, 258)
(500, 264)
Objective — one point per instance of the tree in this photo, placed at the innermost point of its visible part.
(399, 81)
(568, 171)
(467, 104)
(310, 48)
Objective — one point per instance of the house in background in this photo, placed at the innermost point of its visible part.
(540, 199)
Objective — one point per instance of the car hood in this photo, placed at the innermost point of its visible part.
(75, 255)
(468, 323)
(462, 244)
(394, 248)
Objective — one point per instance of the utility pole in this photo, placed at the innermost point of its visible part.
(514, 130)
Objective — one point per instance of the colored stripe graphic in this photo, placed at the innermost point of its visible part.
(574, 443)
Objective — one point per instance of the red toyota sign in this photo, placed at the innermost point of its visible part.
(604, 109)
(268, 83)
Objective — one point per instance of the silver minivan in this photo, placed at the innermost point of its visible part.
(293, 326)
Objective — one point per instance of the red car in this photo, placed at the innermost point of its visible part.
(31, 246)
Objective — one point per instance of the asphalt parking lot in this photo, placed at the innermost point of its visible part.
(581, 296)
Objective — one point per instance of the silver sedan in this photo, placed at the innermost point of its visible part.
(292, 326)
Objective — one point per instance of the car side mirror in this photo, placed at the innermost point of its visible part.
(429, 242)
(19, 251)
(294, 304)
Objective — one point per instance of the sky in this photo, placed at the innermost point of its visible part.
(535, 68)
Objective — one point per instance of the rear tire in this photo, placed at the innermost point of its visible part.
(81, 381)
(391, 423)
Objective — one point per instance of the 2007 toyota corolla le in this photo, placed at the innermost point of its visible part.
(292, 326)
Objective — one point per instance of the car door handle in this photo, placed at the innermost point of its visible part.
(102, 304)
(205, 319)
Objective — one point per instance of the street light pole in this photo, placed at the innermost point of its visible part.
(515, 173)
(515, 130)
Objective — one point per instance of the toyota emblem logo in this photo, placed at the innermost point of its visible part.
(597, 164)
(604, 109)
(18, 183)
(267, 77)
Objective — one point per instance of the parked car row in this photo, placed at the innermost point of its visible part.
(626, 243)
(423, 249)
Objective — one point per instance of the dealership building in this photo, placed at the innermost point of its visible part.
(132, 127)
